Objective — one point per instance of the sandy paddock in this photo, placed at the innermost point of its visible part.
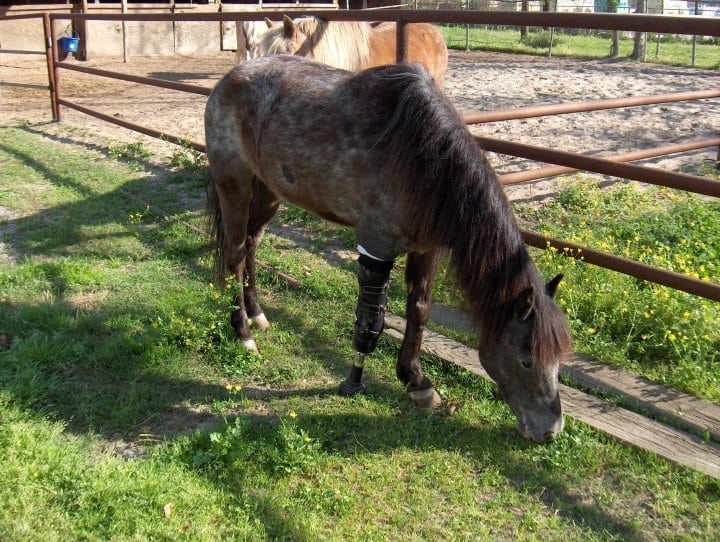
(475, 82)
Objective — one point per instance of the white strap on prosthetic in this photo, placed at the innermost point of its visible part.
(361, 249)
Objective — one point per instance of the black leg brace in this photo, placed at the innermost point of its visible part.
(374, 279)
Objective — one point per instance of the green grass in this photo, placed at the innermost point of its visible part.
(117, 340)
(676, 51)
(664, 334)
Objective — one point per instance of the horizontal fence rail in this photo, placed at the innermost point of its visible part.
(151, 81)
(639, 270)
(552, 171)
(691, 25)
(565, 161)
(660, 177)
(482, 117)
(132, 126)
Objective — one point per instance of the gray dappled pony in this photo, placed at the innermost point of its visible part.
(384, 152)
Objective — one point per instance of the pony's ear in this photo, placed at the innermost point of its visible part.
(525, 304)
(288, 27)
(551, 287)
(269, 23)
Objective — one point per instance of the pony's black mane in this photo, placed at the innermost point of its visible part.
(455, 200)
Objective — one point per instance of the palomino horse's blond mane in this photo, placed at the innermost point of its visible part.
(354, 45)
(340, 44)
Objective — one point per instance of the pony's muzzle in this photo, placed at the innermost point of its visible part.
(541, 425)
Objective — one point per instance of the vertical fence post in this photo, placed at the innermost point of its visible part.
(552, 39)
(50, 55)
(401, 45)
(467, 28)
(56, 75)
(126, 44)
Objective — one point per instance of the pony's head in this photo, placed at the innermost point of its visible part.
(524, 360)
(249, 38)
(286, 38)
(340, 44)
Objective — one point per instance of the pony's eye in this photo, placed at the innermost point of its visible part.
(526, 356)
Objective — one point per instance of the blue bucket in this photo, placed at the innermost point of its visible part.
(69, 44)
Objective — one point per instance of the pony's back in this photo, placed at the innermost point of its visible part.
(349, 136)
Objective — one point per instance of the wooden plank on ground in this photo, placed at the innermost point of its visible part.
(681, 409)
(697, 415)
(673, 444)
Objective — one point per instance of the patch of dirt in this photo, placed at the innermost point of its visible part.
(476, 81)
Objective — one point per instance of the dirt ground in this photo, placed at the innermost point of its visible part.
(475, 82)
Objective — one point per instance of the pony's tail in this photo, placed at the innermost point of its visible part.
(215, 226)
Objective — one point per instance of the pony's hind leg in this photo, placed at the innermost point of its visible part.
(230, 194)
(263, 207)
(419, 275)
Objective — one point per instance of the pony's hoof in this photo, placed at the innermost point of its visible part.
(260, 321)
(251, 346)
(348, 389)
(428, 398)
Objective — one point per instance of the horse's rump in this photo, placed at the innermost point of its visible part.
(426, 46)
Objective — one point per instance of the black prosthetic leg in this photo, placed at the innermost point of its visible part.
(374, 279)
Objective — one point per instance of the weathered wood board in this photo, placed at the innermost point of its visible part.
(697, 415)
(673, 444)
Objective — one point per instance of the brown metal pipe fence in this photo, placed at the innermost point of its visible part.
(613, 166)
(132, 126)
(552, 171)
(151, 81)
(665, 24)
(582, 107)
(679, 181)
(639, 270)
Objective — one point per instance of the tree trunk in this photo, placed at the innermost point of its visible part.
(640, 44)
(612, 7)
(524, 6)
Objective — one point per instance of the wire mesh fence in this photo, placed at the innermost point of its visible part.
(667, 48)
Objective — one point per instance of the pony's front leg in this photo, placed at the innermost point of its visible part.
(419, 275)
(374, 279)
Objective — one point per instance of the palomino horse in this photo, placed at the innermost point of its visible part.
(354, 45)
(383, 151)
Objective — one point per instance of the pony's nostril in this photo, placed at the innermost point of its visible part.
(549, 436)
